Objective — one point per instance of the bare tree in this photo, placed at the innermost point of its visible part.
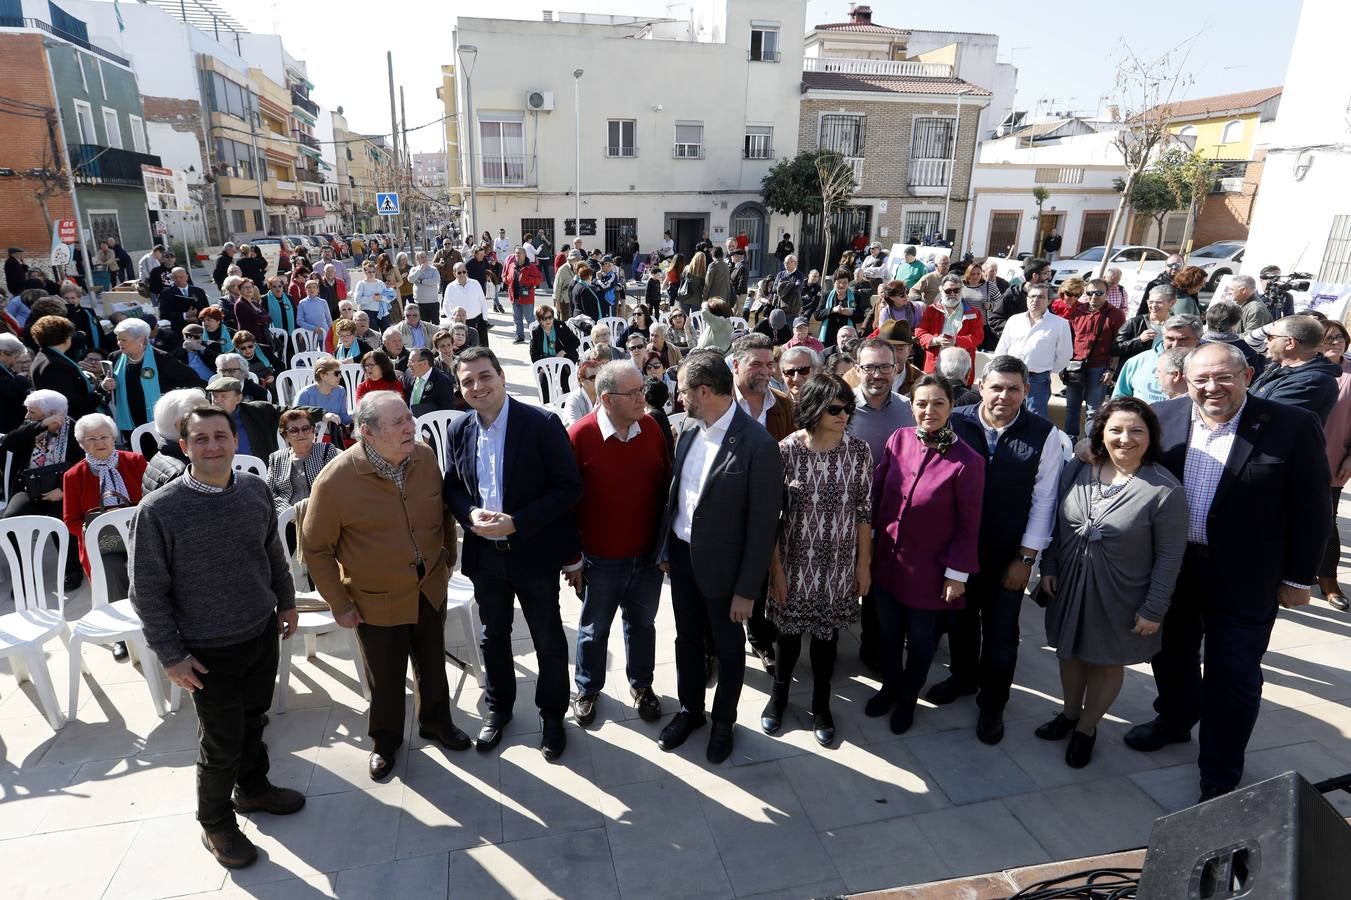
(836, 178)
(1144, 90)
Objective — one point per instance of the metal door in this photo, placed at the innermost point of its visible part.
(751, 220)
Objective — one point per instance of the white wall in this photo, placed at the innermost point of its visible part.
(977, 62)
(1293, 216)
(1078, 150)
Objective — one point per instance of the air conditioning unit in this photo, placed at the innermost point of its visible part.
(539, 101)
(1231, 185)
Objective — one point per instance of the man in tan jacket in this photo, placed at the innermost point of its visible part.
(380, 545)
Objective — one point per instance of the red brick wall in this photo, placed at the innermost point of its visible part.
(23, 72)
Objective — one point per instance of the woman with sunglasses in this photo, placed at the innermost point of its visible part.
(291, 470)
(821, 563)
(582, 399)
(255, 357)
(679, 332)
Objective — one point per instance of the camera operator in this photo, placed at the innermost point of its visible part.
(1275, 295)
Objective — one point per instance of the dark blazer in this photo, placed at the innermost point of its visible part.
(1311, 387)
(13, 389)
(173, 305)
(1272, 501)
(564, 340)
(260, 421)
(736, 521)
(439, 393)
(65, 377)
(541, 486)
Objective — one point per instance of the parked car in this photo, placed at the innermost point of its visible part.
(1218, 259)
(1130, 259)
(335, 244)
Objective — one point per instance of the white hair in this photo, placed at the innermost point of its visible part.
(226, 359)
(801, 351)
(10, 344)
(49, 403)
(391, 331)
(954, 363)
(368, 410)
(172, 407)
(136, 328)
(93, 422)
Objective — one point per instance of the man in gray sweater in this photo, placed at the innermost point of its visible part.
(212, 617)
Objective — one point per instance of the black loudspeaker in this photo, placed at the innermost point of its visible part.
(1275, 840)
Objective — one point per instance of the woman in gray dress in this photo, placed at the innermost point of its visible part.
(1109, 572)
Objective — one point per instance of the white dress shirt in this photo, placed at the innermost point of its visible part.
(1041, 518)
(608, 429)
(694, 473)
(1043, 347)
(469, 295)
(492, 443)
(502, 247)
(746, 407)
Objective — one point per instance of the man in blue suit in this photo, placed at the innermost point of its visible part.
(1256, 478)
(512, 483)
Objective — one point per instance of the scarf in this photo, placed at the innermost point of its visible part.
(112, 487)
(149, 389)
(258, 354)
(833, 300)
(282, 312)
(49, 448)
(53, 353)
(939, 440)
(353, 352)
(549, 341)
(227, 342)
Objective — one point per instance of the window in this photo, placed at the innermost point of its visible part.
(619, 233)
(764, 43)
(235, 158)
(689, 140)
(84, 120)
(843, 134)
(232, 99)
(1233, 132)
(502, 150)
(759, 142)
(1094, 231)
(1173, 225)
(1336, 267)
(1187, 132)
(237, 222)
(1003, 233)
(621, 138)
(137, 133)
(349, 154)
(530, 226)
(920, 225)
(112, 129)
(932, 141)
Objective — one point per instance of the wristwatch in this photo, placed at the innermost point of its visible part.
(1028, 561)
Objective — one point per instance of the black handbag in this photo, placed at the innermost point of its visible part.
(1073, 373)
(42, 479)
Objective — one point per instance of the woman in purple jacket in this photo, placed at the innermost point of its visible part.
(927, 493)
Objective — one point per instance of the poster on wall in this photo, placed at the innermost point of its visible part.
(166, 190)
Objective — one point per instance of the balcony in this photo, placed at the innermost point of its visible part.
(314, 176)
(507, 170)
(307, 140)
(39, 25)
(621, 152)
(96, 164)
(687, 151)
(930, 175)
(313, 212)
(894, 68)
(300, 100)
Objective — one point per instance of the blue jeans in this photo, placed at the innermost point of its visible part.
(1039, 393)
(521, 314)
(1092, 391)
(632, 585)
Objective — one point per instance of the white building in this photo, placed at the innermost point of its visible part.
(1302, 220)
(679, 122)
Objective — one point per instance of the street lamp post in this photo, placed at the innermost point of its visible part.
(468, 53)
(577, 109)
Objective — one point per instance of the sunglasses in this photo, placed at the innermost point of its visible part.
(299, 430)
(793, 373)
(245, 346)
(835, 409)
(951, 291)
(1095, 293)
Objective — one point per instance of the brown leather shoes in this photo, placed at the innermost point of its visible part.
(231, 849)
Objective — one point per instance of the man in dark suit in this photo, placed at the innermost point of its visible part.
(1256, 477)
(716, 536)
(428, 388)
(176, 299)
(512, 482)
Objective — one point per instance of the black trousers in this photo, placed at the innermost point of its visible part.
(236, 693)
(983, 639)
(386, 651)
(501, 579)
(912, 631)
(694, 613)
(822, 653)
(1225, 701)
(868, 627)
(1332, 554)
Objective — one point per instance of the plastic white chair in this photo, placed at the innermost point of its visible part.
(461, 607)
(246, 463)
(738, 324)
(143, 436)
(308, 358)
(9, 464)
(696, 322)
(291, 382)
(554, 369)
(111, 619)
(34, 622)
(676, 419)
(310, 624)
(281, 337)
(303, 340)
(434, 429)
(616, 325)
(352, 375)
(584, 347)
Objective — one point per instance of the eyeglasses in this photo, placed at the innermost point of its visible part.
(950, 291)
(835, 409)
(882, 369)
(232, 369)
(636, 393)
(546, 318)
(1219, 380)
(794, 373)
(298, 430)
(245, 346)
(1095, 293)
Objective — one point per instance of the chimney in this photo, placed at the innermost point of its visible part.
(861, 15)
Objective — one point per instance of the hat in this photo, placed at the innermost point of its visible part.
(607, 258)
(738, 252)
(17, 250)
(895, 331)
(800, 321)
(222, 383)
(876, 245)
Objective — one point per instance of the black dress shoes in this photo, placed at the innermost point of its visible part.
(678, 730)
(947, 691)
(719, 742)
(648, 703)
(120, 651)
(554, 739)
(1056, 729)
(823, 727)
(451, 738)
(1154, 735)
(990, 727)
(879, 704)
(490, 734)
(771, 719)
(1079, 751)
(379, 766)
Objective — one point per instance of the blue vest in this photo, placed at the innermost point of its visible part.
(1010, 475)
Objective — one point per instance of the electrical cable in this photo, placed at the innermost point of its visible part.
(1089, 884)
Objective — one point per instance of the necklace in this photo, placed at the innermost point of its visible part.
(1106, 492)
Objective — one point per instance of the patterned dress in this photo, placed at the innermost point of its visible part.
(829, 496)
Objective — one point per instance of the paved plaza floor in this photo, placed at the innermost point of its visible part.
(104, 807)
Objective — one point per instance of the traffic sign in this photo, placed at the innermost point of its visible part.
(65, 229)
(387, 204)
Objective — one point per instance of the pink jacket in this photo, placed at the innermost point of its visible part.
(926, 512)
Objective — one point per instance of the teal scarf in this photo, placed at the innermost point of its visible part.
(282, 313)
(149, 387)
(832, 301)
(259, 354)
(227, 343)
(354, 352)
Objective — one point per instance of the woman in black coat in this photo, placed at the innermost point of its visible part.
(548, 330)
(53, 370)
(13, 386)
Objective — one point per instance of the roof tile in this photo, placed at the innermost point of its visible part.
(1217, 105)
(890, 84)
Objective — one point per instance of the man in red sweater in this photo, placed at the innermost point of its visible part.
(618, 441)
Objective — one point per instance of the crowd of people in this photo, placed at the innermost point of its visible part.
(839, 460)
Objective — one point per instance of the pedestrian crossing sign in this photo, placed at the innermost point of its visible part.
(387, 204)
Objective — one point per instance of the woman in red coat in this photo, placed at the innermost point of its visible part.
(520, 279)
(950, 322)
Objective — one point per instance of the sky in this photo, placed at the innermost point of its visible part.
(1066, 52)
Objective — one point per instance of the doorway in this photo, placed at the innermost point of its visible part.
(687, 229)
(1049, 221)
(749, 219)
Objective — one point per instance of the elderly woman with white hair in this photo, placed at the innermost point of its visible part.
(141, 374)
(107, 478)
(14, 387)
(391, 342)
(169, 461)
(43, 447)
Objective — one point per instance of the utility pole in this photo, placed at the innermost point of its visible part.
(393, 126)
(407, 167)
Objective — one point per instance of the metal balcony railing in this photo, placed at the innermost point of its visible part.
(757, 153)
(305, 103)
(96, 164)
(506, 170)
(688, 151)
(621, 151)
(16, 22)
(770, 56)
(897, 68)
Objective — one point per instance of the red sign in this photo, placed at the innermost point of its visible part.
(66, 229)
